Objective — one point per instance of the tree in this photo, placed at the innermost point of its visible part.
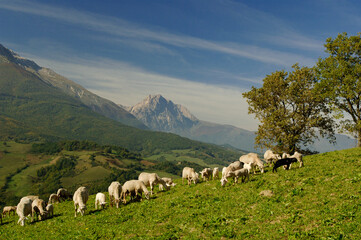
(340, 80)
(290, 111)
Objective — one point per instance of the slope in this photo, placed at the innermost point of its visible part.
(89, 99)
(41, 111)
(319, 201)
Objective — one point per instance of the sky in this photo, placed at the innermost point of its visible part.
(202, 54)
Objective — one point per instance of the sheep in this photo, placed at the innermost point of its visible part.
(38, 208)
(151, 180)
(50, 210)
(32, 197)
(134, 187)
(8, 210)
(282, 162)
(114, 191)
(80, 198)
(63, 194)
(100, 200)
(286, 155)
(271, 157)
(53, 198)
(243, 173)
(189, 174)
(23, 209)
(215, 173)
(298, 156)
(252, 157)
(167, 181)
(206, 174)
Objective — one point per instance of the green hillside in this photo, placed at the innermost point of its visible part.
(41, 169)
(31, 109)
(319, 201)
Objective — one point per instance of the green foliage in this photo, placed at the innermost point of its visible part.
(340, 80)
(290, 110)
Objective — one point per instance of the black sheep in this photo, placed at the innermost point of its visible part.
(282, 162)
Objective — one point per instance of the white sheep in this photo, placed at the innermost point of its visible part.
(39, 209)
(167, 181)
(114, 191)
(240, 173)
(100, 200)
(80, 198)
(271, 157)
(189, 174)
(252, 158)
(215, 173)
(63, 194)
(151, 180)
(206, 174)
(53, 198)
(50, 210)
(8, 210)
(133, 188)
(23, 209)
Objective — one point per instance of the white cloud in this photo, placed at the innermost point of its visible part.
(127, 85)
(116, 27)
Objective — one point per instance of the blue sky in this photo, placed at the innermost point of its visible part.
(199, 53)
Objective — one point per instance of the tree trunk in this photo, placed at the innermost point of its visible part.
(359, 139)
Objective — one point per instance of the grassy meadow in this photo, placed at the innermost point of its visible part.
(319, 201)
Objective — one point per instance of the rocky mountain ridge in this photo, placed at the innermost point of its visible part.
(94, 102)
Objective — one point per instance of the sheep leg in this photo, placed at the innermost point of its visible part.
(75, 205)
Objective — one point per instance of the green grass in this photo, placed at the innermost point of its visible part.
(318, 201)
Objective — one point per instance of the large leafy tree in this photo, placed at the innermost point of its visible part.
(340, 80)
(290, 111)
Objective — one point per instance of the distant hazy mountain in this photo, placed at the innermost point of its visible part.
(92, 101)
(32, 109)
(161, 114)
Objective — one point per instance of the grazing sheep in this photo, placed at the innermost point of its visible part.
(50, 210)
(206, 174)
(100, 200)
(53, 198)
(271, 157)
(134, 187)
(189, 174)
(282, 162)
(248, 166)
(252, 157)
(298, 156)
(167, 181)
(243, 173)
(32, 197)
(80, 198)
(8, 210)
(63, 194)
(151, 180)
(215, 173)
(114, 191)
(23, 209)
(38, 208)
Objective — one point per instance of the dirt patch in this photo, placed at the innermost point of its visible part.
(266, 193)
(147, 163)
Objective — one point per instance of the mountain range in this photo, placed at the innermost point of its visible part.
(37, 104)
(161, 114)
(29, 93)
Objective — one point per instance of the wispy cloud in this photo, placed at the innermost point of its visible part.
(117, 27)
(127, 85)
